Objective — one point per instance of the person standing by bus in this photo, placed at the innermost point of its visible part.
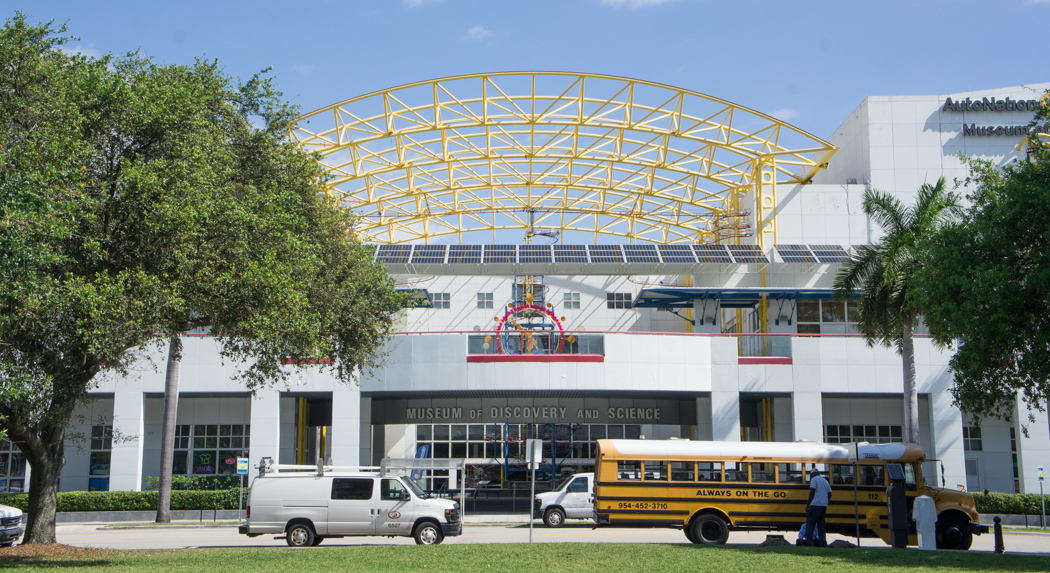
(817, 509)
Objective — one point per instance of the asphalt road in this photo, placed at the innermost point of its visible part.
(179, 537)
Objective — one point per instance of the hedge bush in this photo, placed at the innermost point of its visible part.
(132, 500)
(1010, 503)
(195, 482)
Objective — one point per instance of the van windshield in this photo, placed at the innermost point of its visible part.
(415, 488)
(564, 483)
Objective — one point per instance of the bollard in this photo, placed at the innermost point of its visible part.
(999, 548)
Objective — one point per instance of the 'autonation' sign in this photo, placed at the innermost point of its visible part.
(996, 105)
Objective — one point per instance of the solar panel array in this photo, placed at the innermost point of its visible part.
(608, 254)
(570, 253)
(828, 254)
(713, 254)
(745, 254)
(677, 254)
(641, 254)
(429, 254)
(795, 254)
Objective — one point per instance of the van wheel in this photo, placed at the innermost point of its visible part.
(710, 530)
(428, 534)
(300, 535)
(317, 540)
(554, 518)
(954, 533)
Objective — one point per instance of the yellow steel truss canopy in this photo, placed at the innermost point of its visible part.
(554, 152)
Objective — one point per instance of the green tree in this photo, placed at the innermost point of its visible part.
(986, 284)
(884, 275)
(139, 199)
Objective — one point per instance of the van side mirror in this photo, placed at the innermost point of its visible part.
(405, 496)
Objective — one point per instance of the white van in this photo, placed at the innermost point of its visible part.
(573, 499)
(305, 508)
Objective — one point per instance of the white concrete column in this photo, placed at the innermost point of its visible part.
(1033, 450)
(266, 428)
(125, 466)
(807, 411)
(725, 416)
(946, 426)
(346, 426)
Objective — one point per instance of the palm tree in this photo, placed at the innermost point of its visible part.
(884, 274)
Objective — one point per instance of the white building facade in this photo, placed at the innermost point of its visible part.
(655, 342)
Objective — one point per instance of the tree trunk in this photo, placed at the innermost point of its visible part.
(167, 433)
(911, 393)
(45, 470)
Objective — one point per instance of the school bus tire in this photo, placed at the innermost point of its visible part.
(953, 532)
(689, 533)
(709, 529)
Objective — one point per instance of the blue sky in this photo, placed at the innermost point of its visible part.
(807, 62)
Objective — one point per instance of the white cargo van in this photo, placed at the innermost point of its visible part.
(305, 507)
(573, 499)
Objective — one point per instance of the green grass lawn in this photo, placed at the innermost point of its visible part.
(604, 558)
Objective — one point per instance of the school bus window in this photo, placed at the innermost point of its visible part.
(683, 471)
(841, 475)
(909, 477)
(655, 471)
(790, 473)
(736, 471)
(763, 473)
(629, 470)
(872, 475)
(709, 471)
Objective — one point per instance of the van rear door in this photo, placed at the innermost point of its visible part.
(351, 510)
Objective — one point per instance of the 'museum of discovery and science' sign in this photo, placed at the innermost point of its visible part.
(534, 411)
(996, 105)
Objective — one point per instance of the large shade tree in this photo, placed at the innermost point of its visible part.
(884, 275)
(138, 200)
(986, 284)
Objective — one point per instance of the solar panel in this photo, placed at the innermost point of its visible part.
(501, 254)
(712, 254)
(828, 254)
(641, 254)
(677, 254)
(570, 254)
(605, 253)
(429, 254)
(795, 254)
(534, 254)
(744, 254)
(393, 253)
(464, 254)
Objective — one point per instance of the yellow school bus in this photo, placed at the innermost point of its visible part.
(711, 488)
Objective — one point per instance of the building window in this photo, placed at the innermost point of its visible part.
(12, 468)
(99, 457)
(440, 300)
(618, 300)
(216, 448)
(1013, 454)
(179, 465)
(971, 439)
(836, 317)
(873, 434)
(484, 300)
(571, 301)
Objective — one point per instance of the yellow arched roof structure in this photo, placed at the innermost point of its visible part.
(441, 160)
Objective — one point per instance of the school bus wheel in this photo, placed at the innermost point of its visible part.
(953, 532)
(709, 529)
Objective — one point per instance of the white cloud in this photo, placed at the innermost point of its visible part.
(635, 3)
(303, 68)
(785, 114)
(87, 52)
(477, 33)
(418, 3)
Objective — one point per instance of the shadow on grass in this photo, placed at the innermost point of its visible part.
(39, 563)
(897, 558)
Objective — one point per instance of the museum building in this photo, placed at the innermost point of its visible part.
(593, 257)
